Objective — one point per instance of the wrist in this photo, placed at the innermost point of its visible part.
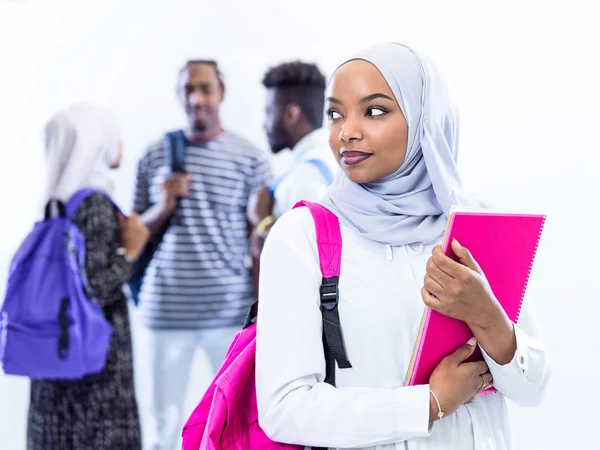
(264, 226)
(435, 408)
(127, 254)
(260, 216)
(492, 319)
(167, 205)
(498, 341)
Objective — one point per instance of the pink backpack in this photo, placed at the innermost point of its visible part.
(227, 416)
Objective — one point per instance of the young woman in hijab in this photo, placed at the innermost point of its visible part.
(393, 130)
(100, 410)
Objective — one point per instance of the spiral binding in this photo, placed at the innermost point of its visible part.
(531, 267)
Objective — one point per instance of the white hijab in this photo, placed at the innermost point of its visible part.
(411, 205)
(82, 143)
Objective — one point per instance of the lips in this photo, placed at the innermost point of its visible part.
(354, 157)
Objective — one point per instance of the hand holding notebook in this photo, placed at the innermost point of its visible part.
(457, 382)
(459, 289)
(504, 247)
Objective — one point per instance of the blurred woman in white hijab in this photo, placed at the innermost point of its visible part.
(83, 144)
(394, 133)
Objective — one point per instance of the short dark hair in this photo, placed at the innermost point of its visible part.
(208, 62)
(301, 83)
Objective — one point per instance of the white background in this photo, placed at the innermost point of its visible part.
(525, 74)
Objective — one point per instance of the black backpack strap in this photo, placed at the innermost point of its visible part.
(329, 243)
(175, 151)
(333, 342)
(174, 144)
(251, 316)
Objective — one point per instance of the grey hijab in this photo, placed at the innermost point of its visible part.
(411, 205)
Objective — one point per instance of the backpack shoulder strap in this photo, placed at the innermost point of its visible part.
(175, 150)
(329, 245)
(277, 181)
(319, 164)
(329, 238)
(78, 198)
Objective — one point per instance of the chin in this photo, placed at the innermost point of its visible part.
(357, 174)
(276, 148)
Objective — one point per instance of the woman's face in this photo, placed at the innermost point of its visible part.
(367, 130)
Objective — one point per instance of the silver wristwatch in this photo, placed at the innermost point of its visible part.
(122, 252)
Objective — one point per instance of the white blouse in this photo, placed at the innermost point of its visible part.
(380, 311)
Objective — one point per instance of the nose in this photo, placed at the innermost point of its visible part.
(196, 98)
(351, 129)
(268, 123)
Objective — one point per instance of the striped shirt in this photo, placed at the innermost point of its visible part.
(199, 277)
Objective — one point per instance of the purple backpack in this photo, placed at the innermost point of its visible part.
(51, 327)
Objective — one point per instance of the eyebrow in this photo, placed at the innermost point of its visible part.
(201, 85)
(366, 99)
(371, 97)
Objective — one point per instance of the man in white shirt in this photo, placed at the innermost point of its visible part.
(294, 117)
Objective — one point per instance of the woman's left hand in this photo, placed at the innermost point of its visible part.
(460, 289)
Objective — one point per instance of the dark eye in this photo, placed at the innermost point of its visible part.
(332, 114)
(376, 111)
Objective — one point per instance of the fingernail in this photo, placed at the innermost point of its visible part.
(472, 341)
(457, 243)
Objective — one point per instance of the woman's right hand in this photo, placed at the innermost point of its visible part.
(134, 235)
(456, 382)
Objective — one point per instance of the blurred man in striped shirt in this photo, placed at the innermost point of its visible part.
(198, 287)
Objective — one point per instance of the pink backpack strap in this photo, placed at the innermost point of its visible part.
(329, 245)
(329, 238)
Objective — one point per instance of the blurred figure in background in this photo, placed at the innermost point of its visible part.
(100, 410)
(197, 288)
(293, 119)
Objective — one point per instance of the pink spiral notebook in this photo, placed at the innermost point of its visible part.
(505, 246)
